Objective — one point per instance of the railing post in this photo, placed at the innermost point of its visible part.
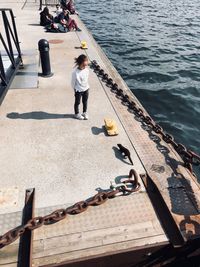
(16, 36)
(2, 72)
(10, 45)
(8, 37)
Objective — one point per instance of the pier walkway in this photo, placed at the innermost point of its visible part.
(66, 160)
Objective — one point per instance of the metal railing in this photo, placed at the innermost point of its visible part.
(9, 49)
(48, 3)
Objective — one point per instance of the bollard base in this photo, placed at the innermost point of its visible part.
(46, 76)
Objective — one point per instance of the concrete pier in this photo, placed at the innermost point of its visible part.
(66, 160)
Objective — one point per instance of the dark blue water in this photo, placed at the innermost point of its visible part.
(155, 46)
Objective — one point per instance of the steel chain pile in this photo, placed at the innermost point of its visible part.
(60, 214)
(189, 157)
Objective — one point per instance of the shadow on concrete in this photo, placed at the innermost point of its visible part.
(119, 179)
(35, 24)
(38, 115)
(99, 190)
(98, 130)
(119, 155)
(172, 162)
(28, 73)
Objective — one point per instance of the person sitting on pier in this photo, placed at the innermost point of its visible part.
(58, 10)
(65, 20)
(71, 7)
(45, 17)
(80, 85)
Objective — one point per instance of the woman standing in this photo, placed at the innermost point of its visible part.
(80, 85)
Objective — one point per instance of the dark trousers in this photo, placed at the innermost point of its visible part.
(78, 95)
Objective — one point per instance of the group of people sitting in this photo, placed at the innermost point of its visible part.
(61, 22)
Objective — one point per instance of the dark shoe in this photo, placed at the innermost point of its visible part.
(78, 30)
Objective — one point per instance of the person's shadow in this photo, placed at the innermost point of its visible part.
(38, 115)
(119, 155)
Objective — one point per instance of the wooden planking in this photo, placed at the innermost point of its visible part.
(101, 237)
(119, 220)
(9, 255)
(98, 251)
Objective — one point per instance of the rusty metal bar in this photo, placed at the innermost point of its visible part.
(25, 249)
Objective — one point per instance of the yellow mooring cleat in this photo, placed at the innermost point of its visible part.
(111, 127)
(84, 45)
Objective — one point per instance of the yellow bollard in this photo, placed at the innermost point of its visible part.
(111, 127)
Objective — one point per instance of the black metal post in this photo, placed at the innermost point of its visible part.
(16, 35)
(43, 46)
(7, 51)
(8, 36)
(40, 8)
(2, 72)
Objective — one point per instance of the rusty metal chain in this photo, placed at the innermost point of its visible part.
(189, 157)
(126, 187)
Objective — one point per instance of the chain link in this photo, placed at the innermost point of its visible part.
(189, 157)
(79, 207)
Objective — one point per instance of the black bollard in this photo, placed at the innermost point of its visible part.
(43, 46)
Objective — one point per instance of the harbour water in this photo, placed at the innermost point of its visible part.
(155, 47)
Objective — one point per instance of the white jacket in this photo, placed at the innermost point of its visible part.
(80, 79)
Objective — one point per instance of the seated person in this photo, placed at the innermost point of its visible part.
(45, 17)
(65, 20)
(71, 7)
(56, 27)
(58, 10)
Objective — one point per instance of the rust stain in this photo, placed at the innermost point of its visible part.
(56, 41)
(8, 197)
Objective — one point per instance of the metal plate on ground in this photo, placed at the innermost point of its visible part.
(9, 221)
(27, 77)
(125, 210)
(122, 222)
(6, 61)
